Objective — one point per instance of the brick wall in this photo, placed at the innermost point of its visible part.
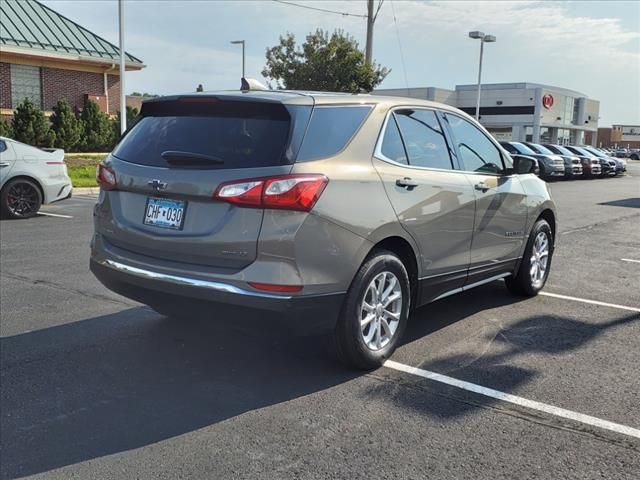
(70, 84)
(5, 85)
(74, 85)
(113, 88)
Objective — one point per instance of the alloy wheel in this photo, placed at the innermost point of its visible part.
(380, 310)
(22, 199)
(539, 259)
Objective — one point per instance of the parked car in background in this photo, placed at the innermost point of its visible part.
(551, 165)
(29, 177)
(349, 209)
(590, 165)
(605, 168)
(572, 163)
(634, 155)
(619, 164)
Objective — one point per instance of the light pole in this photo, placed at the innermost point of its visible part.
(123, 98)
(483, 39)
(240, 42)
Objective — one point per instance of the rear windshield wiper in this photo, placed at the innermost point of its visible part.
(175, 157)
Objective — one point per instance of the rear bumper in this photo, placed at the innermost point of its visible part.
(152, 287)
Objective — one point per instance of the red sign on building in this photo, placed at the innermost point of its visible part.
(547, 101)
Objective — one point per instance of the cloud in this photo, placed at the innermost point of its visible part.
(175, 66)
(569, 44)
(545, 27)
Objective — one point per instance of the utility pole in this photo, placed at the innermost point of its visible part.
(371, 19)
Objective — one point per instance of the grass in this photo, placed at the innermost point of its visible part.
(82, 168)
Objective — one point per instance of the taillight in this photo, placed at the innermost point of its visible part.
(287, 192)
(105, 177)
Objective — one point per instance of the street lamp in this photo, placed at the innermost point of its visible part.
(483, 39)
(240, 42)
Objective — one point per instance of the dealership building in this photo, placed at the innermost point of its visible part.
(45, 57)
(521, 111)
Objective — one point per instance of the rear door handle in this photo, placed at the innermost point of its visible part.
(407, 183)
(483, 187)
(3, 164)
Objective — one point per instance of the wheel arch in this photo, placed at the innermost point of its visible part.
(30, 178)
(550, 217)
(407, 255)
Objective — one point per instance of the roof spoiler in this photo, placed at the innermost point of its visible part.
(251, 84)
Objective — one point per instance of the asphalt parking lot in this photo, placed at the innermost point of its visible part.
(96, 386)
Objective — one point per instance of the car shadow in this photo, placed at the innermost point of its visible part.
(117, 382)
(625, 202)
(497, 364)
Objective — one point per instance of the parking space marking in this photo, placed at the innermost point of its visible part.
(57, 215)
(592, 302)
(514, 399)
(630, 260)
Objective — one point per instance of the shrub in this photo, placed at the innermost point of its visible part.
(132, 113)
(30, 126)
(5, 129)
(66, 126)
(97, 133)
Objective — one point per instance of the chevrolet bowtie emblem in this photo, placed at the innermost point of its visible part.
(157, 184)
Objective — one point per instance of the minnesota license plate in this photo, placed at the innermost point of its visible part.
(165, 213)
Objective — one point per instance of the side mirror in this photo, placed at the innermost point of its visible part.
(523, 165)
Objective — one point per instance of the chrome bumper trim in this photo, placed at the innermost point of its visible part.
(188, 281)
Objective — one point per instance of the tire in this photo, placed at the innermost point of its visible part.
(524, 282)
(367, 347)
(20, 198)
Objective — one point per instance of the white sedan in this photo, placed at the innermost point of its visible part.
(30, 177)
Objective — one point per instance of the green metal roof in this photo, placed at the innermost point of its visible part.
(32, 25)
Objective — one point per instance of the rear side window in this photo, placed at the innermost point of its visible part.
(3, 146)
(423, 139)
(330, 130)
(478, 153)
(223, 135)
(392, 146)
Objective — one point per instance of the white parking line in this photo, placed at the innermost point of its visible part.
(523, 402)
(630, 260)
(57, 215)
(592, 302)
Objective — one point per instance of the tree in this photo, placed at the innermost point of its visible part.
(65, 124)
(324, 62)
(5, 129)
(97, 134)
(132, 113)
(30, 126)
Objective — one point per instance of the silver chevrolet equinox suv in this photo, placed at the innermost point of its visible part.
(347, 210)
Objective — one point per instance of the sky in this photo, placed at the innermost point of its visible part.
(589, 46)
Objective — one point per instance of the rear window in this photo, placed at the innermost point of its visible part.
(221, 134)
(330, 129)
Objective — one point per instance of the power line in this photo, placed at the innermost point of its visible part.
(404, 68)
(344, 14)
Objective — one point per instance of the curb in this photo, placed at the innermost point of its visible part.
(86, 190)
